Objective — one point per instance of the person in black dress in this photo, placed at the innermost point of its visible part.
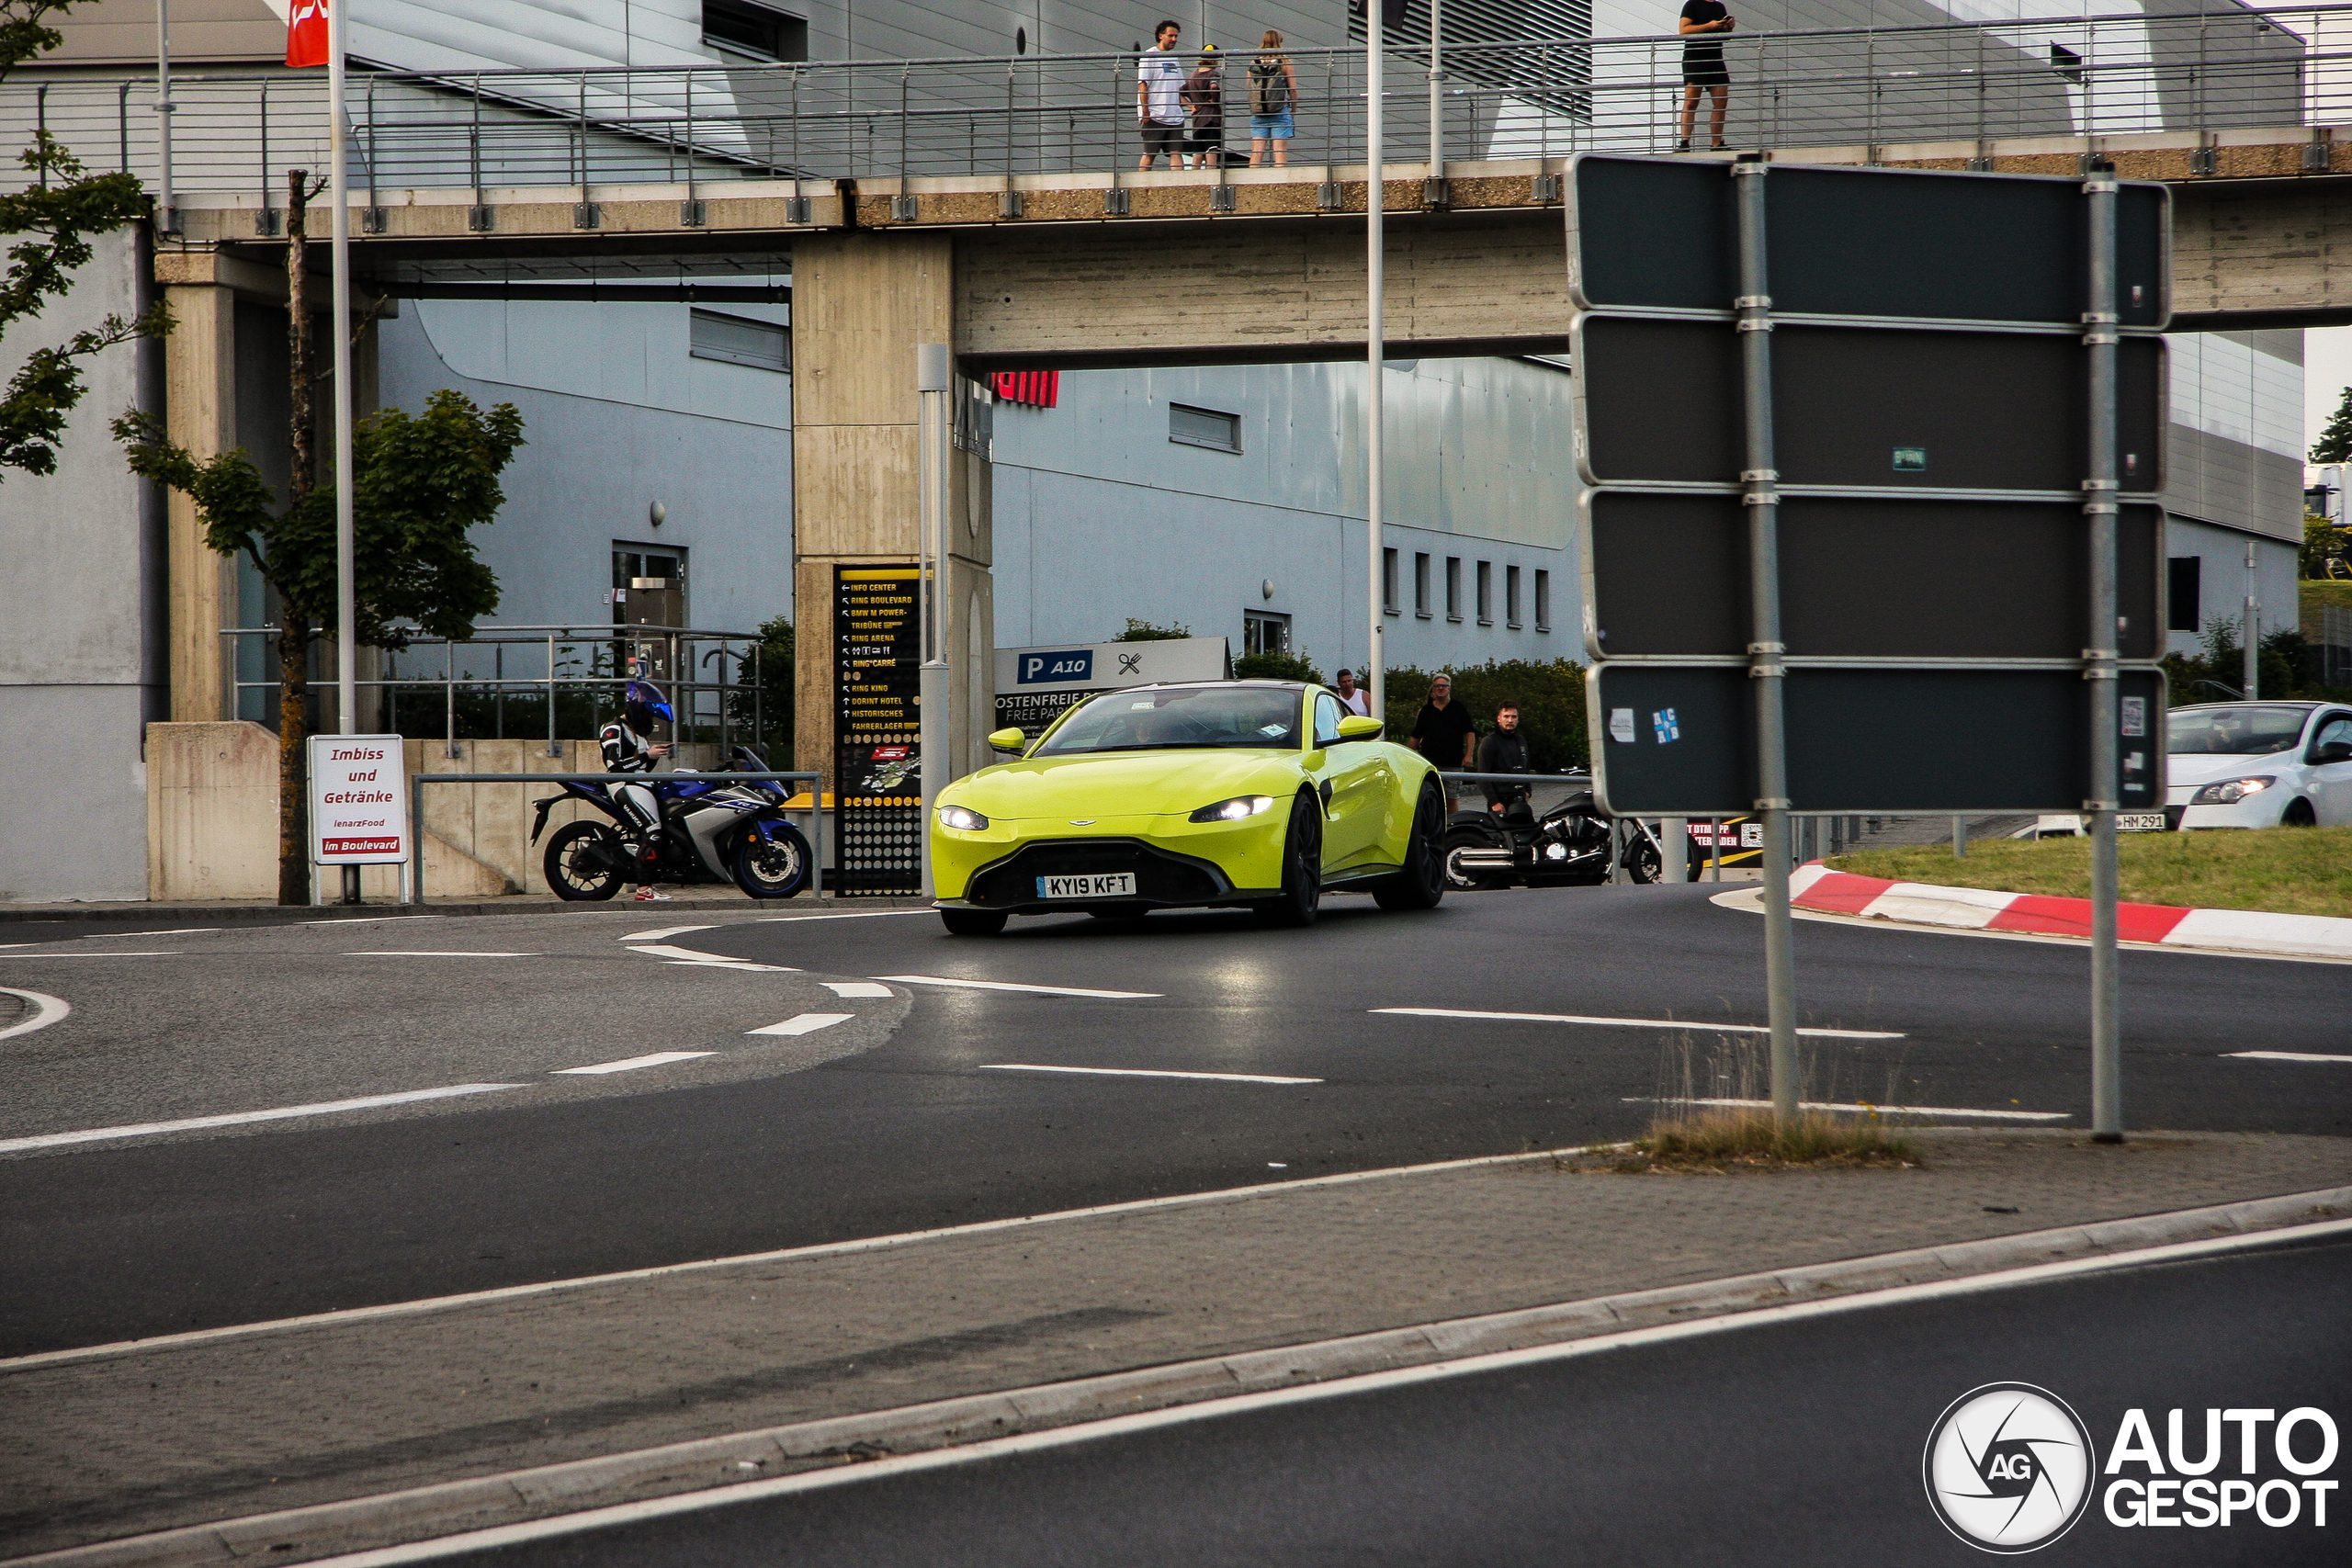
(1704, 22)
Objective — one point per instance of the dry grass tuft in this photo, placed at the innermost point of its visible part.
(1717, 1138)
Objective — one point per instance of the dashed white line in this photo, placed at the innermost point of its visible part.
(1701, 1026)
(1009, 986)
(857, 915)
(175, 930)
(665, 931)
(805, 1023)
(2288, 1057)
(1140, 1073)
(1878, 1110)
(47, 1009)
(431, 952)
(162, 953)
(241, 1118)
(630, 1064)
(731, 964)
(856, 989)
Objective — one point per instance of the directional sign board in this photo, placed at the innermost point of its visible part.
(1929, 426)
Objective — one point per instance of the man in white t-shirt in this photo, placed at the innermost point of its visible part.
(1159, 104)
(1351, 696)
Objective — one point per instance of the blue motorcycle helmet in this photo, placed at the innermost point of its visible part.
(642, 704)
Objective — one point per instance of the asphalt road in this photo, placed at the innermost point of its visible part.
(919, 1108)
(1797, 1442)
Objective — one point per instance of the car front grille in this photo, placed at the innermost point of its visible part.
(1161, 877)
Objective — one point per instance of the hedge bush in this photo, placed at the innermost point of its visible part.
(1550, 697)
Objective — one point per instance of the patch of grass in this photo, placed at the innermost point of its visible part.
(2291, 871)
(1723, 1139)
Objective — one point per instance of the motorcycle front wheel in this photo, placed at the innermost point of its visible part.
(776, 867)
(583, 862)
(1641, 861)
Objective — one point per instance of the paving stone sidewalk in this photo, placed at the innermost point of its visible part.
(100, 1447)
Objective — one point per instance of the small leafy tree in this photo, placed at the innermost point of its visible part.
(58, 215)
(767, 668)
(1144, 631)
(2335, 444)
(423, 483)
(1285, 665)
(2325, 548)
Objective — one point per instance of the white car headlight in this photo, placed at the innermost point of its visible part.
(963, 819)
(2231, 791)
(1235, 809)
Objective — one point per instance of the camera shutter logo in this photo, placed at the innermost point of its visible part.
(2010, 1467)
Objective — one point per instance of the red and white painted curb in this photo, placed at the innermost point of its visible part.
(1815, 887)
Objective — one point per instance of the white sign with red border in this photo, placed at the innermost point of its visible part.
(358, 800)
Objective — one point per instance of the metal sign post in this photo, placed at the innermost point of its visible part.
(2100, 667)
(346, 590)
(934, 381)
(1376, 656)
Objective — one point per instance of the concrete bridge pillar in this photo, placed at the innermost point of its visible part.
(861, 301)
(200, 413)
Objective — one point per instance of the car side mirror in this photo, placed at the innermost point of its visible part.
(1007, 740)
(1356, 726)
(2333, 751)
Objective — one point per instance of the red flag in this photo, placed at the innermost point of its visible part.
(306, 32)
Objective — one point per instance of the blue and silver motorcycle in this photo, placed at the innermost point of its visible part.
(718, 831)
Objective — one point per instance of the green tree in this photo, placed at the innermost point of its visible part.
(2325, 547)
(423, 483)
(61, 209)
(767, 669)
(2335, 444)
(1550, 695)
(1144, 631)
(1283, 666)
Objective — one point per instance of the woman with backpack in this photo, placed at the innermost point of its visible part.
(1273, 101)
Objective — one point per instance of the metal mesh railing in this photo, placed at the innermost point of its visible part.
(1068, 115)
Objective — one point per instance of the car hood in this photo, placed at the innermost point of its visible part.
(1122, 783)
(2197, 768)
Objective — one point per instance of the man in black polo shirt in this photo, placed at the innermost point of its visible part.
(1444, 732)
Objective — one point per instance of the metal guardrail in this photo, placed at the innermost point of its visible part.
(1002, 118)
(412, 885)
(680, 655)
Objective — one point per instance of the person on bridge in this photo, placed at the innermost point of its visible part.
(629, 747)
(1159, 98)
(1704, 68)
(1273, 101)
(1504, 751)
(1203, 95)
(1351, 696)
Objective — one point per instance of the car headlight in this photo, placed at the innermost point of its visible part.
(1234, 810)
(963, 819)
(2231, 791)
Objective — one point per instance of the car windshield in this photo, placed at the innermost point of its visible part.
(1165, 718)
(2233, 732)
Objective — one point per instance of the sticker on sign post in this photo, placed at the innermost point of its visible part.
(358, 800)
(1620, 725)
(2135, 715)
(1663, 725)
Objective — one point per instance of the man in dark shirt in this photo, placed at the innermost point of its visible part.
(1504, 751)
(1444, 732)
(1704, 22)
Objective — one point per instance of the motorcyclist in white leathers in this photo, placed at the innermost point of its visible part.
(628, 748)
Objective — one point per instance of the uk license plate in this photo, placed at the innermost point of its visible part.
(1103, 885)
(2139, 821)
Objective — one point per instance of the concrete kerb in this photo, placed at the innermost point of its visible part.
(513, 905)
(426, 1512)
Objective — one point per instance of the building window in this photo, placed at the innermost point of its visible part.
(1486, 593)
(1263, 631)
(1203, 427)
(1421, 585)
(1388, 580)
(2184, 593)
(737, 27)
(1453, 588)
(1511, 597)
(1543, 600)
(739, 340)
(648, 586)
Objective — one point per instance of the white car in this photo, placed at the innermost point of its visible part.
(2259, 765)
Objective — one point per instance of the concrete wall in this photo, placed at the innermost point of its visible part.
(81, 638)
(2221, 579)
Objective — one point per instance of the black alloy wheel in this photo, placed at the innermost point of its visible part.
(1641, 859)
(584, 863)
(1427, 871)
(972, 922)
(771, 868)
(1301, 868)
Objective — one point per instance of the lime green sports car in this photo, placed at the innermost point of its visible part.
(1259, 793)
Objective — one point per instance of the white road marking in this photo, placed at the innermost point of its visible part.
(367, 920)
(1139, 1073)
(630, 1064)
(694, 955)
(859, 915)
(47, 1009)
(731, 964)
(856, 989)
(1009, 986)
(160, 952)
(621, 1514)
(175, 930)
(1703, 1028)
(2288, 1057)
(432, 953)
(241, 1118)
(805, 1023)
(665, 931)
(1881, 1110)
